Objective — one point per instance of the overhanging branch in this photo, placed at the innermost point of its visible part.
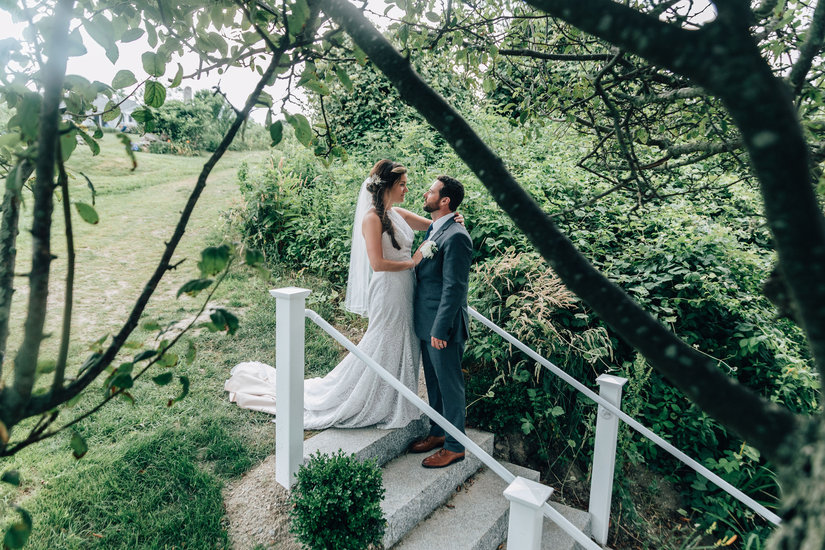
(763, 423)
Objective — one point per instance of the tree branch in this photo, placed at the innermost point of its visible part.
(8, 248)
(557, 56)
(763, 423)
(809, 50)
(68, 300)
(39, 404)
(723, 58)
(54, 73)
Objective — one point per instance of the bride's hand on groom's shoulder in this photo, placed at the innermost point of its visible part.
(458, 218)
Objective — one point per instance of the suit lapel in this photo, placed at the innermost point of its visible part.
(441, 229)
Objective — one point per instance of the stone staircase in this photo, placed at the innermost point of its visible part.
(460, 507)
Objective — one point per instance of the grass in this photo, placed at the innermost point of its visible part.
(153, 475)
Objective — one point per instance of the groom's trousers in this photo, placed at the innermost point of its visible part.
(445, 388)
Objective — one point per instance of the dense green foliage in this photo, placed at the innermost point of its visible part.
(697, 262)
(200, 124)
(337, 503)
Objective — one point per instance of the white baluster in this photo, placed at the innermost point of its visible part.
(289, 382)
(604, 456)
(526, 518)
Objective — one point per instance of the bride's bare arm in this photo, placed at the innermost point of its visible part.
(420, 223)
(371, 228)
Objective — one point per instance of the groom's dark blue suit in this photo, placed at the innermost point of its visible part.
(440, 311)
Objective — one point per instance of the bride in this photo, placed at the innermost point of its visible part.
(352, 395)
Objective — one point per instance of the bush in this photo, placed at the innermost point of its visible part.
(337, 503)
(171, 148)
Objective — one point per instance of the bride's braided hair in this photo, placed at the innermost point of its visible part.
(385, 174)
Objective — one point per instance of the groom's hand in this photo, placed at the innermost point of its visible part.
(437, 344)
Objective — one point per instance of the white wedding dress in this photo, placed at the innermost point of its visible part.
(352, 395)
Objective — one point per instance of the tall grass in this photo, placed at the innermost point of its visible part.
(153, 475)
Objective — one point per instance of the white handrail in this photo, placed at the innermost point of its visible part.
(410, 396)
(685, 459)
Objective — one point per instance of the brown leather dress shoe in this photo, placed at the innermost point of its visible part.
(442, 458)
(427, 444)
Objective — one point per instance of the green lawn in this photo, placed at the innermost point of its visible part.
(153, 475)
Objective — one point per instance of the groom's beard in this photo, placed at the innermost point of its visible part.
(429, 208)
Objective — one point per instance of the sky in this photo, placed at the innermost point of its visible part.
(237, 83)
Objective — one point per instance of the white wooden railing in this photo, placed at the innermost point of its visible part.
(527, 498)
(604, 455)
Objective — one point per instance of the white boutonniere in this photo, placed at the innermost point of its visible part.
(428, 249)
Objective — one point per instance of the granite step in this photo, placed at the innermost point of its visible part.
(413, 492)
(474, 518)
(367, 443)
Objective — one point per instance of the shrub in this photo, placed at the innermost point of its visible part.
(337, 503)
(171, 148)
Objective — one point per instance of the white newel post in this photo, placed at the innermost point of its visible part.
(289, 382)
(526, 518)
(604, 456)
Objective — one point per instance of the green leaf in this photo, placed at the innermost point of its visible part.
(190, 352)
(151, 325)
(184, 382)
(68, 143)
(87, 212)
(360, 56)
(316, 86)
(298, 18)
(75, 46)
(125, 368)
(193, 287)
(432, 16)
(18, 533)
(131, 35)
(127, 143)
(163, 379)
(168, 360)
(344, 78)
(154, 94)
(102, 32)
(151, 35)
(110, 113)
(178, 77)
(28, 116)
(142, 115)
(213, 259)
(276, 132)
(78, 445)
(145, 355)
(123, 381)
(264, 99)
(93, 145)
(253, 257)
(224, 320)
(123, 78)
(12, 477)
(154, 64)
(303, 132)
(96, 345)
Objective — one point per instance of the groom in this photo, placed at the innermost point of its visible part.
(441, 318)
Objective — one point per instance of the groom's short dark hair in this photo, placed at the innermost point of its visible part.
(453, 190)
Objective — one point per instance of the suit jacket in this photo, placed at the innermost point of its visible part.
(440, 308)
